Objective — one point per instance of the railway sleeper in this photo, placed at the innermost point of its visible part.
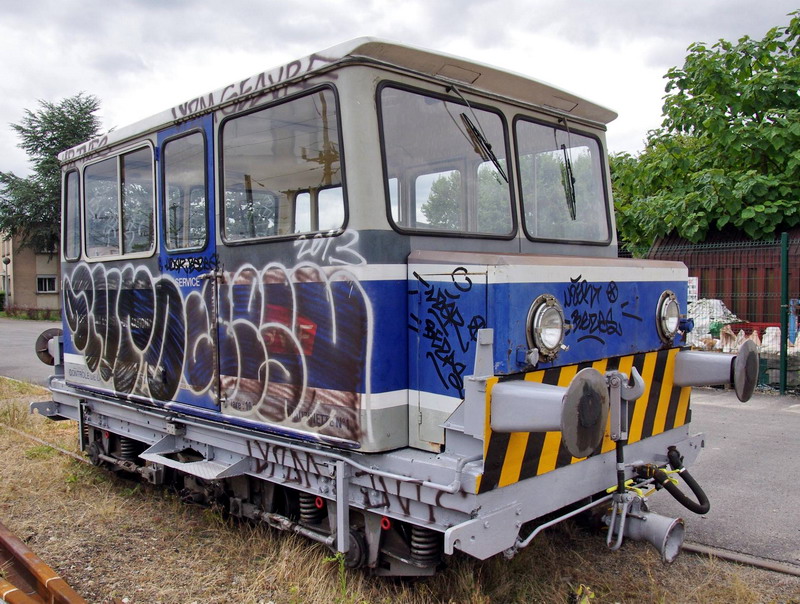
(385, 546)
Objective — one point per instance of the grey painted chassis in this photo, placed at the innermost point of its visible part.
(434, 491)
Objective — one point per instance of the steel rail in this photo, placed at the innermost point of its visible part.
(748, 559)
(28, 578)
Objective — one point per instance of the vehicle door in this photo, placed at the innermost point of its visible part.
(188, 256)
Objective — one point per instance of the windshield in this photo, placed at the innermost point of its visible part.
(563, 196)
(446, 165)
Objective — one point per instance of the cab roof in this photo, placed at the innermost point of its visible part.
(464, 73)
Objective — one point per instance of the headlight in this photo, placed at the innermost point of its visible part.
(668, 316)
(546, 326)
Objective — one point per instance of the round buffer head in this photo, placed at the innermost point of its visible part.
(745, 370)
(585, 413)
(41, 345)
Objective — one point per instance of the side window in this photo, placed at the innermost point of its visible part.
(101, 191)
(136, 177)
(72, 217)
(185, 186)
(282, 170)
(118, 194)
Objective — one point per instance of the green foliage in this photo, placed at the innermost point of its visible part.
(30, 206)
(339, 560)
(31, 313)
(442, 208)
(40, 452)
(728, 151)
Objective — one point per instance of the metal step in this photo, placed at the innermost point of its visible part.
(206, 469)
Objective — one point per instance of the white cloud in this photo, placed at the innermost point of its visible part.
(140, 57)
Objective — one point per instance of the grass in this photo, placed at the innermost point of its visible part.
(10, 389)
(31, 314)
(110, 537)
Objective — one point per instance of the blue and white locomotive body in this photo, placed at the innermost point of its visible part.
(372, 297)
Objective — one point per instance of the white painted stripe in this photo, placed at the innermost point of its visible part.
(375, 401)
(552, 273)
(385, 400)
(427, 400)
(517, 273)
(74, 359)
(370, 272)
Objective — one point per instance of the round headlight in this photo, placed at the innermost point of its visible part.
(668, 316)
(546, 326)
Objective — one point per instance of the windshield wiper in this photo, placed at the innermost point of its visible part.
(482, 146)
(568, 180)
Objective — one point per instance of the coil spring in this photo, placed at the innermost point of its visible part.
(309, 512)
(425, 545)
(127, 448)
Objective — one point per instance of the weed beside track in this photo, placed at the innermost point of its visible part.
(110, 537)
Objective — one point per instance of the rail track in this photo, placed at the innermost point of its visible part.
(27, 579)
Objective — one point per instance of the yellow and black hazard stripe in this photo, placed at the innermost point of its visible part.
(509, 458)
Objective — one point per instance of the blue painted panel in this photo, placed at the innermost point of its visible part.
(607, 319)
(443, 320)
(193, 317)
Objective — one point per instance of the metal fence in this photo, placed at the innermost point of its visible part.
(744, 289)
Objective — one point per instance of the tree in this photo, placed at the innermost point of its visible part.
(442, 208)
(446, 202)
(728, 150)
(30, 207)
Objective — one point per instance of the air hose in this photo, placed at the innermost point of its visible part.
(662, 479)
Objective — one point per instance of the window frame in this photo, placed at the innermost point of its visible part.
(64, 214)
(47, 291)
(162, 169)
(417, 173)
(137, 146)
(220, 184)
(603, 170)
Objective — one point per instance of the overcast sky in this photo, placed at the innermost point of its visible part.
(142, 56)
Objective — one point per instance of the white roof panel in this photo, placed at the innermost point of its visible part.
(470, 74)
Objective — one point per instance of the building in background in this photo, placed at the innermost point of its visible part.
(28, 278)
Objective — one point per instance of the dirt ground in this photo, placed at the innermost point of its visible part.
(115, 538)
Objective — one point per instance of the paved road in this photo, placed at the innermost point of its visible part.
(749, 471)
(749, 468)
(17, 356)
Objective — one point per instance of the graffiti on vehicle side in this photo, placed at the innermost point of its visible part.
(249, 92)
(445, 334)
(285, 345)
(189, 264)
(593, 309)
